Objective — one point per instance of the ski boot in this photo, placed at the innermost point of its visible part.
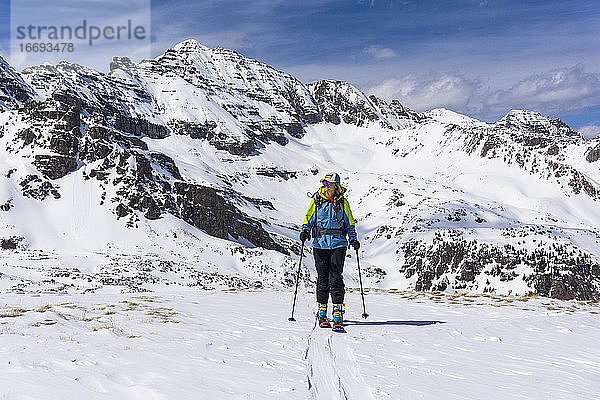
(338, 318)
(322, 316)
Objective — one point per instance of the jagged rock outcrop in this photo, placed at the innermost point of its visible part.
(339, 101)
(208, 210)
(593, 154)
(14, 92)
(54, 167)
(35, 187)
(450, 261)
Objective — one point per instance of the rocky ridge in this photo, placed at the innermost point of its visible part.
(14, 91)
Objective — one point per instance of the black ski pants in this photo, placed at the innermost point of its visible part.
(330, 265)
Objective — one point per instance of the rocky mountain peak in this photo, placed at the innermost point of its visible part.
(123, 63)
(340, 88)
(340, 101)
(189, 46)
(534, 123)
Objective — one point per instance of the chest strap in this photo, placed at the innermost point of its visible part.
(330, 231)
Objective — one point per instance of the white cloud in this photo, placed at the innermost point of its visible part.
(551, 92)
(380, 52)
(447, 91)
(554, 90)
(370, 2)
(590, 131)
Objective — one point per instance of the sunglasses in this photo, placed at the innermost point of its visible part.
(326, 183)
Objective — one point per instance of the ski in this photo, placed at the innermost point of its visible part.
(323, 323)
(338, 328)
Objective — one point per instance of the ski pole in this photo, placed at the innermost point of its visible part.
(297, 278)
(364, 315)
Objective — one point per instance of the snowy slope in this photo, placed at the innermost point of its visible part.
(174, 344)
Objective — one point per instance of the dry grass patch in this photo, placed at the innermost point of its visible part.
(44, 308)
(12, 312)
(45, 322)
(163, 315)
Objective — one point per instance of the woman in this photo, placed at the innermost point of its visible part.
(329, 220)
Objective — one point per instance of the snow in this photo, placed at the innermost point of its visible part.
(231, 344)
(450, 117)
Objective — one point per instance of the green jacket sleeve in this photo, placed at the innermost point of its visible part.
(309, 217)
(350, 221)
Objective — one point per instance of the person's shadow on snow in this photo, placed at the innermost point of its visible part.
(412, 323)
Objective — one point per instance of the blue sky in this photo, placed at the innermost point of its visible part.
(481, 58)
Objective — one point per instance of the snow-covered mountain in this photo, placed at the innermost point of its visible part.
(193, 168)
(214, 94)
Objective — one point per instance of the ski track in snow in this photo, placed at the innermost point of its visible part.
(184, 343)
(332, 369)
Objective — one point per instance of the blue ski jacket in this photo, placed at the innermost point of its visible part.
(328, 225)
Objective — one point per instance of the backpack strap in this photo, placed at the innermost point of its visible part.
(344, 227)
(319, 200)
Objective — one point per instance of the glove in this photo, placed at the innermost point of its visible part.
(355, 244)
(304, 236)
